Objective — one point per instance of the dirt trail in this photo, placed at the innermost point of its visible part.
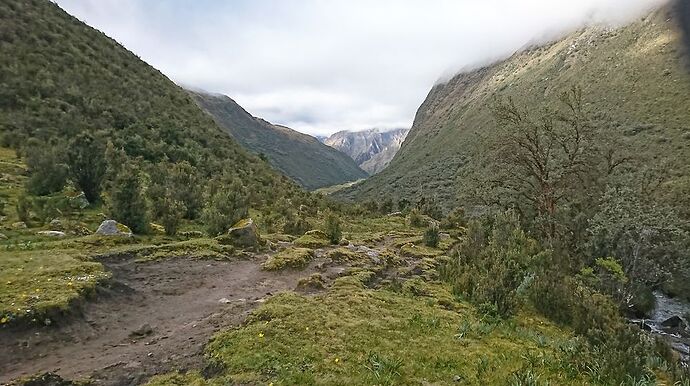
(179, 298)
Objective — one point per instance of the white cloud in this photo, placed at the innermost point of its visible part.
(324, 66)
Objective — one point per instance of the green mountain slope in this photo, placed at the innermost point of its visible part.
(299, 156)
(60, 77)
(634, 74)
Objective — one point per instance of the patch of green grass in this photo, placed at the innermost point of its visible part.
(419, 251)
(354, 335)
(312, 240)
(34, 284)
(289, 258)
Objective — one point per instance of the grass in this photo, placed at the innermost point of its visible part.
(313, 241)
(36, 284)
(355, 335)
(289, 258)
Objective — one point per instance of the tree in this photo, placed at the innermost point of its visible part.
(127, 200)
(47, 171)
(431, 235)
(227, 204)
(547, 163)
(87, 165)
(333, 230)
(171, 213)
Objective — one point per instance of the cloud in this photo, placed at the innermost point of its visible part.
(324, 66)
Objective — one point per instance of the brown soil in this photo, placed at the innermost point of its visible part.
(180, 299)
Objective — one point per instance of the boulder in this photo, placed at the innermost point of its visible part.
(51, 233)
(244, 234)
(673, 322)
(79, 201)
(113, 228)
(56, 225)
(19, 225)
(317, 233)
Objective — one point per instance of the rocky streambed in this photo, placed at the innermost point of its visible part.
(669, 320)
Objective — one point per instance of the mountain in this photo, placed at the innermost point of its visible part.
(60, 77)
(299, 156)
(371, 149)
(635, 74)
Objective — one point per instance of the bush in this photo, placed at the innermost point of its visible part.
(86, 164)
(172, 212)
(296, 225)
(492, 263)
(431, 236)
(47, 172)
(226, 206)
(454, 220)
(333, 230)
(416, 218)
(127, 200)
(23, 208)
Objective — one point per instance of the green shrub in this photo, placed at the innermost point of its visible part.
(417, 219)
(225, 207)
(23, 208)
(333, 230)
(127, 201)
(296, 225)
(172, 212)
(492, 263)
(431, 236)
(47, 172)
(87, 165)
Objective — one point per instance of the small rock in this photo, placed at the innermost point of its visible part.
(112, 228)
(457, 378)
(157, 228)
(224, 301)
(144, 330)
(56, 225)
(396, 214)
(19, 225)
(444, 235)
(673, 322)
(3, 237)
(51, 233)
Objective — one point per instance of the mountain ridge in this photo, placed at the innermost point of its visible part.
(634, 74)
(371, 149)
(299, 156)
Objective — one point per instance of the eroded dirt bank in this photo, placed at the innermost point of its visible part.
(154, 317)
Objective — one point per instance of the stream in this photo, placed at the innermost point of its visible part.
(678, 336)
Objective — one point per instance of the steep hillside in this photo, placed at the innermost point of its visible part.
(299, 156)
(60, 77)
(635, 75)
(371, 149)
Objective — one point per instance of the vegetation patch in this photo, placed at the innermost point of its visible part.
(35, 284)
(352, 335)
(289, 258)
(312, 240)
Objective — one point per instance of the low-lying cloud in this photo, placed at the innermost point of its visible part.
(325, 66)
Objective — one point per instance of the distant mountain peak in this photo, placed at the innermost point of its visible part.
(371, 149)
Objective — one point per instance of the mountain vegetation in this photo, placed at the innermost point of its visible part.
(299, 156)
(522, 235)
(371, 149)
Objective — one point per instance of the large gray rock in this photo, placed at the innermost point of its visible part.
(113, 228)
(674, 322)
(243, 234)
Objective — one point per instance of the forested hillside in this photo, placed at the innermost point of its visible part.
(634, 80)
(299, 156)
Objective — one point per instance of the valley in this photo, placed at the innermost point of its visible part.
(531, 228)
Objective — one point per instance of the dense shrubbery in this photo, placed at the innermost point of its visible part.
(493, 262)
(228, 203)
(333, 230)
(432, 235)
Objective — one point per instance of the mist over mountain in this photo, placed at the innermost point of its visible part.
(634, 74)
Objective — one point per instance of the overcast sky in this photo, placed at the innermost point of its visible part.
(324, 66)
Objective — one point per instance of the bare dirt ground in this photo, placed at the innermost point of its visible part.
(184, 301)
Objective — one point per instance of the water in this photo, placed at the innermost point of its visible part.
(667, 307)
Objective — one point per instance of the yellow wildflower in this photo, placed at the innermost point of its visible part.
(337, 360)
(261, 335)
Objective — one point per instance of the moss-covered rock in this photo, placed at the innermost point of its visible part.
(289, 258)
(244, 234)
(313, 239)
